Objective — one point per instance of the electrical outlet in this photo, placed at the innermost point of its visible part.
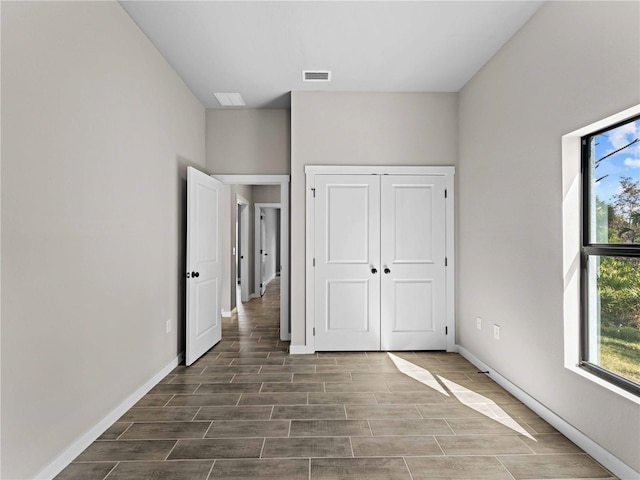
(478, 323)
(168, 326)
(496, 332)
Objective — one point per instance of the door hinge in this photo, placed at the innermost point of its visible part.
(445, 193)
(314, 331)
(314, 262)
(314, 192)
(446, 330)
(446, 261)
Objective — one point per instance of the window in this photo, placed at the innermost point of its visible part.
(610, 323)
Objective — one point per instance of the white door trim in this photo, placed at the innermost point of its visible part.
(256, 255)
(311, 171)
(243, 226)
(283, 181)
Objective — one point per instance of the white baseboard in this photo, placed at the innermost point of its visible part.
(609, 461)
(300, 350)
(268, 281)
(226, 313)
(75, 449)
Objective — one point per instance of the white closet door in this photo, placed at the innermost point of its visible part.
(413, 290)
(347, 271)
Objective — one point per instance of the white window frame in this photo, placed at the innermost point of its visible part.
(572, 243)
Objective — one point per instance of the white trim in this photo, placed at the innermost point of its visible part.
(243, 227)
(310, 278)
(268, 280)
(252, 179)
(451, 260)
(300, 350)
(310, 172)
(604, 457)
(77, 447)
(226, 313)
(283, 181)
(380, 170)
(571, 239)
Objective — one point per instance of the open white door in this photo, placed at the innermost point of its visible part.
(204, 268)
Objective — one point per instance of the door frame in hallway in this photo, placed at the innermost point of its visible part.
(283, 182)
(311, 171)
(258, 247)
(242, 250)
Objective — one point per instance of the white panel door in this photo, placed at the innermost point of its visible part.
(413, 250)
(347, 269)
(203, 326)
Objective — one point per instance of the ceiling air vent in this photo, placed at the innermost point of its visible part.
(316, 76)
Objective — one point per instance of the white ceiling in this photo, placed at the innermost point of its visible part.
(259, 48)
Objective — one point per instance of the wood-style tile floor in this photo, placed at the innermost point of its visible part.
(248, 410)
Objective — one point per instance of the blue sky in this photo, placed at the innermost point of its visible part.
(622, 164)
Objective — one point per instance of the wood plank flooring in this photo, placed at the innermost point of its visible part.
(249, 410)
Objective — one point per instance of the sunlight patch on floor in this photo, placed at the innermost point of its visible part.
(484, 405)
(417, 373)
(473, 400)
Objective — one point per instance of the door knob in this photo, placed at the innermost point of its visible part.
(374, 270)
(386, 270)
(195, 274)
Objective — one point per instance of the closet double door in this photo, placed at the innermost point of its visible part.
(380, 262)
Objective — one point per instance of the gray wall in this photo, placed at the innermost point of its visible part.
(571, 65)
(266, 193)
(253, 142)
(360, 129)
(97, 131)
(246, 142)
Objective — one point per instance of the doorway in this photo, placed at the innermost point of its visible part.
(242, 247)
(267, 244)
(282, 182)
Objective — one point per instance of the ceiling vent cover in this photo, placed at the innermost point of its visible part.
(316, 76)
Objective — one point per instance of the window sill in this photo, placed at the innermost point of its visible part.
(603, 383)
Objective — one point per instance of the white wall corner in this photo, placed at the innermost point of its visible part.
(601, 455)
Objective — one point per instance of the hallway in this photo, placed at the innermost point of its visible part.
(248, 410)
